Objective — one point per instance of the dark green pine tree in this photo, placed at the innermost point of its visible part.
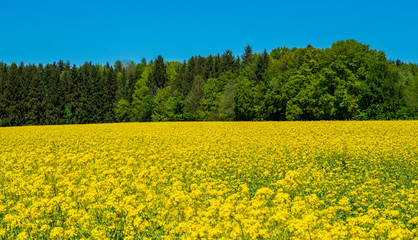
(188, 76)
(82, 110)
(262, 65)
(158, 76)
(65, 82)
(247, 57)
(92, 89)
(199, 67)
(109, 93)
(129, 86)
(68, 90)
(35, 111)
(97, 98)
(118, 66)
(177, 85)
(228, 62)
(3, 79)
(53, 108)
(208, 67)
(212, 66)
(26, 74)
(72, 97)
(11, 97)
(92, 96)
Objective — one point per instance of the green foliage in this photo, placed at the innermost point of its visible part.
(121, 83)
(168, 105)
(123, 111)
(212, 92)
(227, 103)
(247, 57)
(68, 115)
(262, 65)
(346, 81)
(209, 108)
(295, 95)
(142, 104)
(193, 99)
(158, 77)
(172, 69)
(228, 62)
(277, 53)
(249, 99)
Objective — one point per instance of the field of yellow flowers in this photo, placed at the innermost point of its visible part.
(210, 180)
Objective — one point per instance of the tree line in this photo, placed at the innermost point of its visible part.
(347, 81)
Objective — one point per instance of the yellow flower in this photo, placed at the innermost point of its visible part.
(223, 180)
(56, 233)
(22, 236)
(2, 232)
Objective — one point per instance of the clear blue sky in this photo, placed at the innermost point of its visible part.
(101, 31)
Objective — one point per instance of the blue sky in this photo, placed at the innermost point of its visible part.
(101, 31)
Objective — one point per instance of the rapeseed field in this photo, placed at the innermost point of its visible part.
(210, 180)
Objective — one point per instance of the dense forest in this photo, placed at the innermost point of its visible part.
(348, 81)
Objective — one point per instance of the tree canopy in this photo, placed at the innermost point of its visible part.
(347, 81)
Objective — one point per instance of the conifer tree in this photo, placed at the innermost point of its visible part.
(247, 57)
(158, 76)
(34, 115)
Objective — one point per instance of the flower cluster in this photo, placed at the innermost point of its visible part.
(211, 180)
